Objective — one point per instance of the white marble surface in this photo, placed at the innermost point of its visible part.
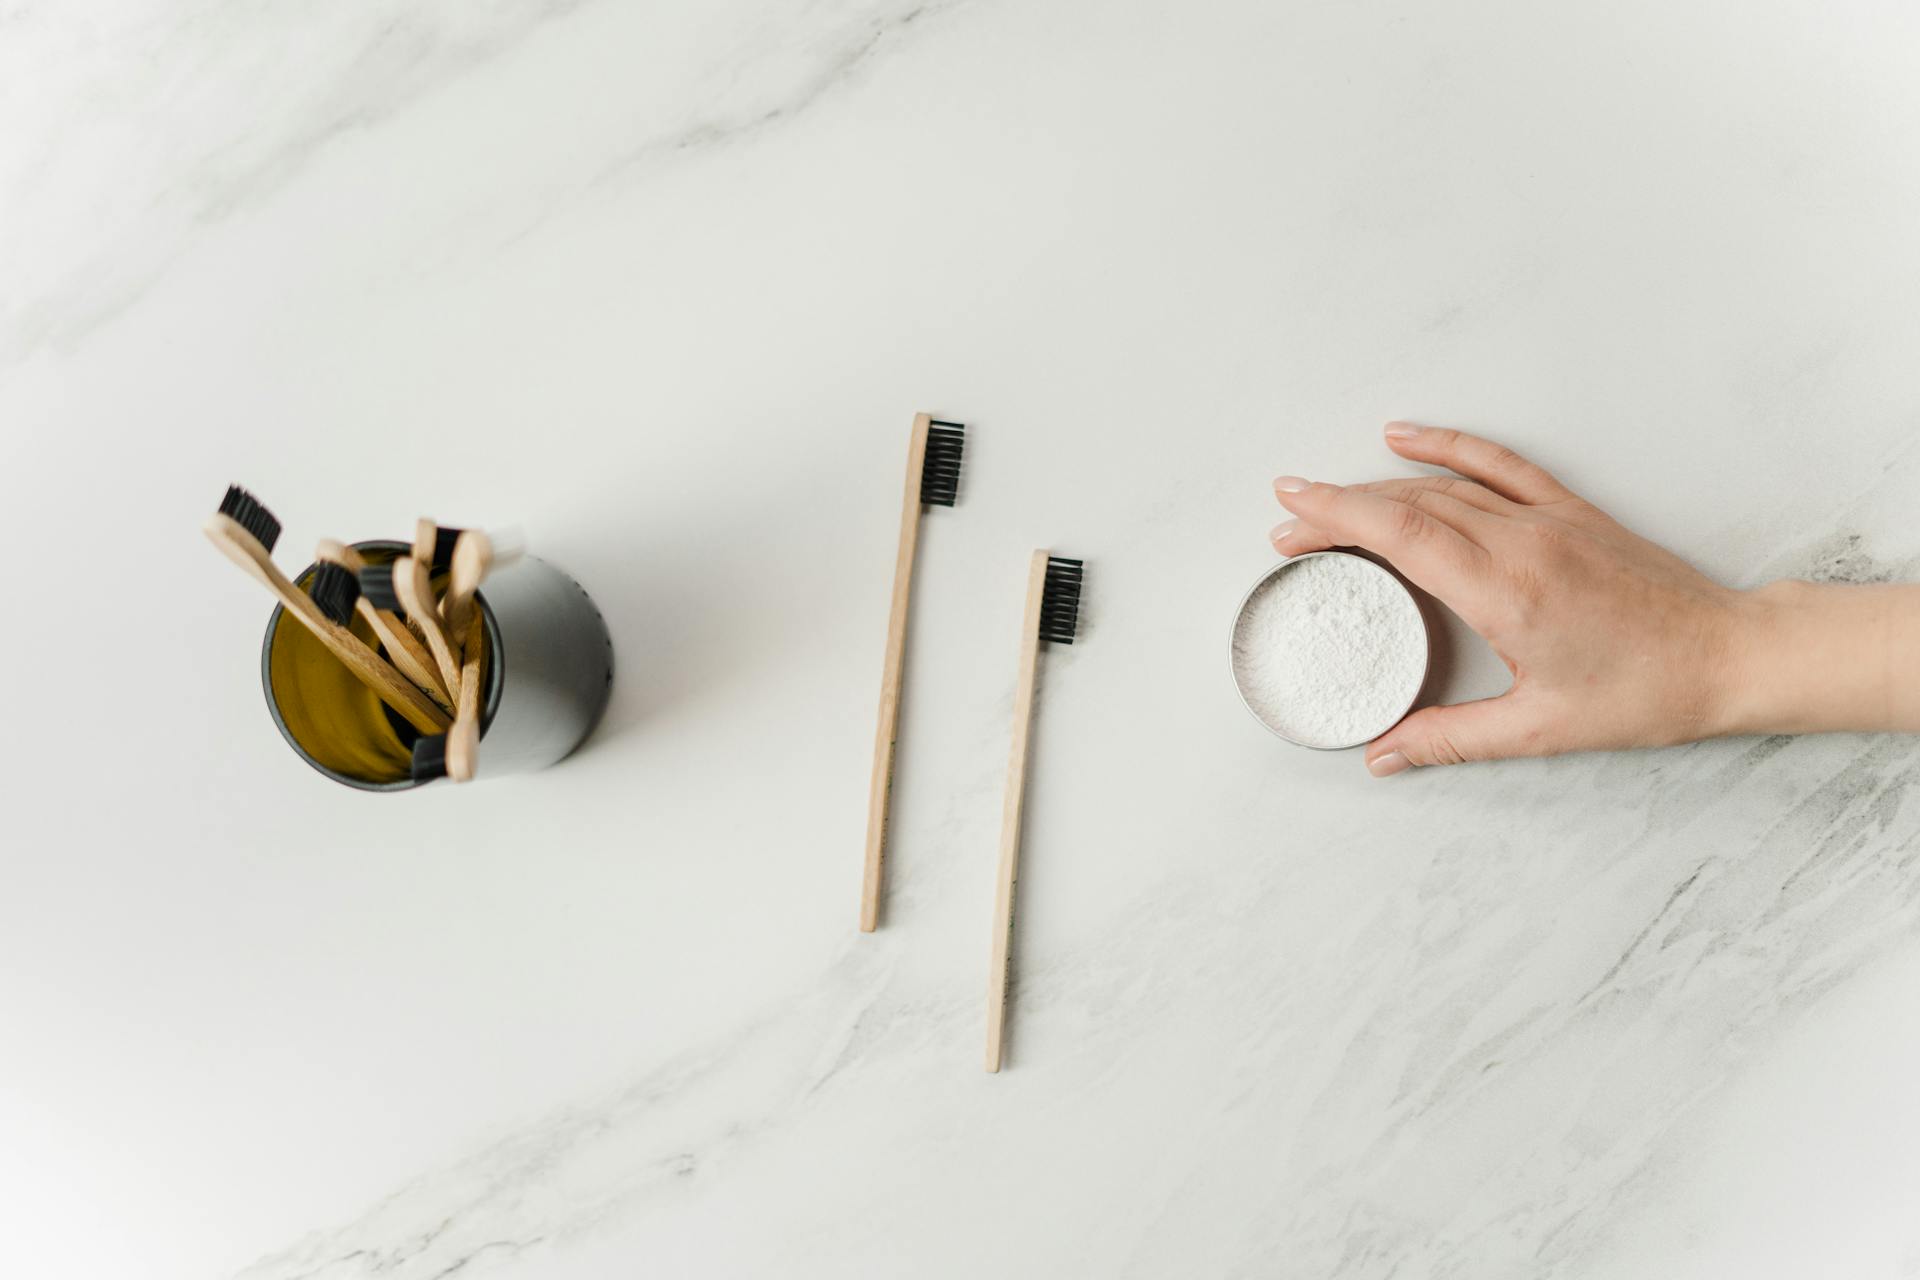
(664, 283)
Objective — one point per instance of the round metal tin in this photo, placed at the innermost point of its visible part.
(1426, 646)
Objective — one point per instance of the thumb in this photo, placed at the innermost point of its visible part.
(1490, 729)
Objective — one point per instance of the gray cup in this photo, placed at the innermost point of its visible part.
(545, 681)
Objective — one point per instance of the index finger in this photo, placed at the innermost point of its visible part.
(1433, 555)
(1493, 465)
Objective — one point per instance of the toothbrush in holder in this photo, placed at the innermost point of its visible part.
(475, 554)
(933, 480)
(1052, 614)
(402, 587)
(245, 532)
(404, 648)
(433, 545)
(456, 754)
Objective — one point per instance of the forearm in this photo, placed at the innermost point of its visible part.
(1813, 658)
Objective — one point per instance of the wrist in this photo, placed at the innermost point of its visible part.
(1759, 686)
(1810, 657)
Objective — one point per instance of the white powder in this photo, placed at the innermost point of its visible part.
(1330, 651)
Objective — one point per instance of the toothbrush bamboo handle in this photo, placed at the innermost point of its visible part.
(880, 788)
(1009, 875)
(403, 647)
(463, 739)
(408, 653)
(410, 584)
(472, 557)
(426, 533)
(244, 550)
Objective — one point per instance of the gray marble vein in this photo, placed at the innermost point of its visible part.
(375, 66)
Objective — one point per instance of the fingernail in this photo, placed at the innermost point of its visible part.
(1401, 431)
(1289, 484)
(1282, 531)
(1387, 765)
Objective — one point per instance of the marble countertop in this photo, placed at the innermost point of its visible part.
(664, 284)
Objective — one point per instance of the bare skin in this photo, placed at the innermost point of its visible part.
(1613, 641)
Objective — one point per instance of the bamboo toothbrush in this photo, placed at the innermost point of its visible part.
(455, 753)
(429, 758)
(245, 532)
(404, 648)
(433, 544)
(463, 739)
(433, 548)
(1052, 614)
(933, 480)
(402, 587)
(467, 555)
(475, 555)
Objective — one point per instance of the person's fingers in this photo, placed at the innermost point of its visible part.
(1433, 554)
(1469, 521)
(1467, 491)
(1490, 729)
(1295, 538)
(1493, 465)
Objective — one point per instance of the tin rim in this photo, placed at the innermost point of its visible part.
(1426, 645)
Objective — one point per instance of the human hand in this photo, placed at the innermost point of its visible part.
(1612, 640)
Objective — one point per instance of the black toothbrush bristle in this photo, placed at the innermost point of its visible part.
(940, 472)
(376, 583)
(443, 540)
(335, 590)
(252, 515)
(1060, 600)
(429, 757)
